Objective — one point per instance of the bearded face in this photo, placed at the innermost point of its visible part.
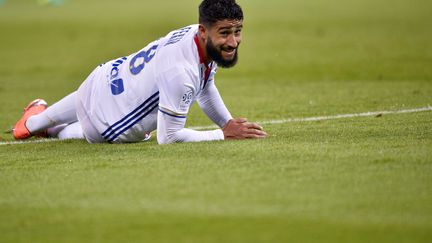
(224, 55)
(222, 40)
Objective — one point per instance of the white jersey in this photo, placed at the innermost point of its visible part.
(121, 98)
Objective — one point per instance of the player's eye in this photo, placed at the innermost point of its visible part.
(224, 33)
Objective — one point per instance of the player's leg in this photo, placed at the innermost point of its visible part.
(66, 131)
(53, 132)
(71, 131)
(37, 118)
(62, 112)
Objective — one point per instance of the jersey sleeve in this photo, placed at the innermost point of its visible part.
(177, 91)
(170, 129)
(213, 106)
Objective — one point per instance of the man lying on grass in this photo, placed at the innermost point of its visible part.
(125, 99)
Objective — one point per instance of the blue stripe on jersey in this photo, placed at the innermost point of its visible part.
(178, 116)
(131, 113)
(155, 105)
(131, 116)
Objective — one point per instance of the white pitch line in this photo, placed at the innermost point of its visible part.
(44, 140)
(270, 122)
(322, 118)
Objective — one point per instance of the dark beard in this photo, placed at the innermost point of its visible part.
(216, 56)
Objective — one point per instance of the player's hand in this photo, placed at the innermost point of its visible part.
(240, 128)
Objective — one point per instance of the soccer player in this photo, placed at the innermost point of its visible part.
(125, 99)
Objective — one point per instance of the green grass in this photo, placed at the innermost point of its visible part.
(348, 180)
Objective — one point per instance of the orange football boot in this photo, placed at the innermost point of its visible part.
(35, 107)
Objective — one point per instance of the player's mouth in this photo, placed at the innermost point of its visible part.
(228, 53)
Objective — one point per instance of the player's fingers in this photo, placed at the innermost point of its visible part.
(253, 135)
(257, 132)
(254, 126)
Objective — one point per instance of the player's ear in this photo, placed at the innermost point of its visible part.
(202, 32)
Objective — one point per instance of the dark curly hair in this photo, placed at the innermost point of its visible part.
(211, 11)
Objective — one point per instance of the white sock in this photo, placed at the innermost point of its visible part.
(62, 112)
(72, 131)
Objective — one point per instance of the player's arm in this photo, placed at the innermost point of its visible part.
(213, 106)
(176, 94)
(174, 102)
(170, 129)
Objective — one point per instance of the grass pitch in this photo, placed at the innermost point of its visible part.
(349, 180)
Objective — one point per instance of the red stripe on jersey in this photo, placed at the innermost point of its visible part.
(201, 56)
(200, 51)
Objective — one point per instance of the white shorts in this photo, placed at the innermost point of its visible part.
(91, 134)
(105, 117)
